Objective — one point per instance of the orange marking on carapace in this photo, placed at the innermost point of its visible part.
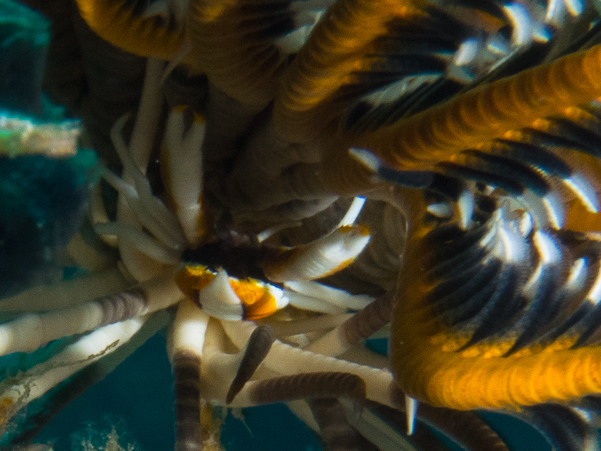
(256, 299)
(258, 302)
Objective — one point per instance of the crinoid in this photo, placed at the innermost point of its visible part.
(435, 163)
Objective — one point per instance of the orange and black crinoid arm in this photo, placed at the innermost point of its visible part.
(493, 313)
(134, 29)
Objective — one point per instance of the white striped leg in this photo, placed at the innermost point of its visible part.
(185, 351)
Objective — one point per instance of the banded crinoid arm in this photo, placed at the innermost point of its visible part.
(155, 34)
(31, 331)
(18, 391)
(187, 336)
(234, 44)
(348, 68)
(300, 386)
(285, 360)
(549, 168)
(359, 47)
(470, 119)
(55, 400)
(488, 112)
(498, 314)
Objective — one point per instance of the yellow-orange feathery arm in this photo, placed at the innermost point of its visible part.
(433, 361)
(116, 23)
(233, 44)
(328, 60)
(488, 112)
(468, 120)
(442, 377)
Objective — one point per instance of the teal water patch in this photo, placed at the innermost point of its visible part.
(271, 427)
(42, 200)
(24, 39)
(378, 345)
(137, 397)
(517, 434)
(42, 203)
